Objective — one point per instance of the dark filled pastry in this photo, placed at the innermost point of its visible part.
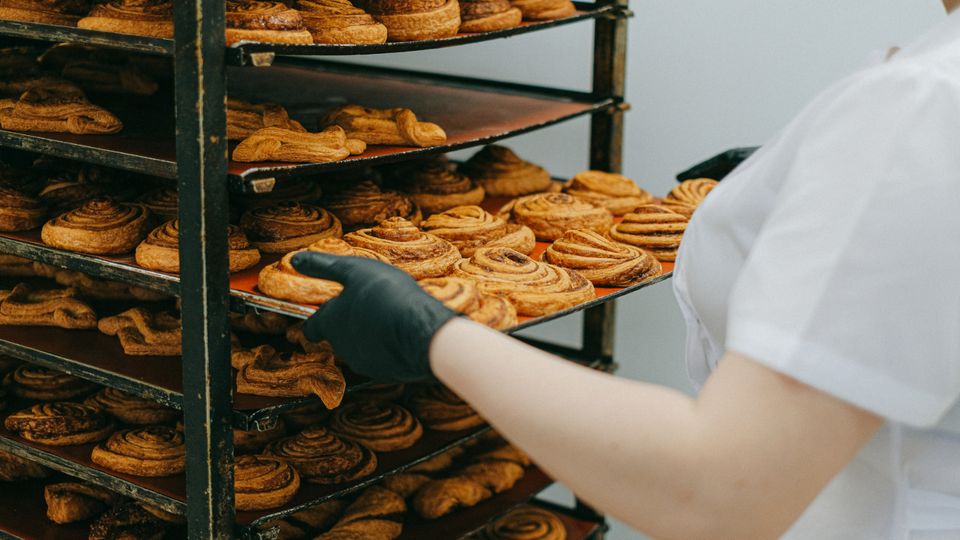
(143, 332)
(321, 457)
(57, 110)
(19, 211)
(288, 226)
(151, 18)
(339, 21)
(61, 423)
(525, 523)
(544, 10)
(285, 145)
(255, 440)
(127, 521)
(264, 371)
(416, 20)
(382, 427)
(266, 323)
(58, 12)
(99, 227)
(244, 118)
(143, 451)
(377, 514)
(161, 202)
(397, 127)
(420, 254)
(68, 502)
(488, 15)
(604, 262)
(14, 468)
(549, 215)
(687, 196)
(435, 185)
(96, 289)
(502, 173)
(23, 306)
(111, 76)
(471, 227)
(266, 22)
(464, 296)
(364, 205)
(132, 409)
(656, 229)
(263, 482)
(440, 409)
(615, 192)
(37, 383)
(309, 522)
(160, 250)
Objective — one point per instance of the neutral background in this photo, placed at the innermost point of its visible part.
(704, 76)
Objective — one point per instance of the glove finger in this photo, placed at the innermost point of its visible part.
(326, 266)
(316, 327)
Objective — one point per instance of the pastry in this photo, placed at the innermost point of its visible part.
(60, 423)
(131, 409)
(488, 15)
(420, 254)
(440, 409)
(307, 415)
(263, 371)
(544, 10)
(281, 280)
(405, 484)
(377, 514)
(151, 18)
(339, 21)
(244, 119)
(19, 211)
(604, 262)
(23, 306)
(502, 173)
(161, 202)
(397, 127)
(279, 144)
(464, 296)
(681, 208)
(615, 192)
(58, 110)
(110, 76)
(144, 333)
(525, 523)
(66, 190)
(364, 205)
(301, 191)
(691, 192)
(99, 227)
(309, 522)
(288, 226)
(37, 383)
(58, 12)
(263, 482)
(382, 427)
(656, 229)
(435, 186)
(266, 323)
(97, 289)
(127, 521)
(161, 249)
(13, 266)
(415, 20)
(440, 462)
(68, 502)
(470, 227)
(549, 215)
(322, 457)
(534, 288)
(266, 22)
(143, 451)
(14, 468)
(254, 440)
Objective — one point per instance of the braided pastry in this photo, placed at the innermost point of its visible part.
(339, 21)
(656, 229)
(549, 215)
(324, 458)
(23, 306)
(534, 288)
(603, 262)
(420, 254)
(19, 211)
(151, 18)
(60, 423)
(615, 192)
(253, 441)
(544, 10)
(288, 226)
(691, 192)
(364, 205)
(525, 523)
(502, 173)
(488, 15)
(99, 227)
(415, 20)
(57, 110)
(279, 144)
(435, 185)
(68, 502)
(464, 296)
(14, 468)
(160, 249)
(263, 371)
(309, 522)
(41, 384)
(143, 451)
(132, 409)
(470, 227)
(263, 482)
(397, 127)
(127, 521)
(266, 323)
(377, 514)
(440, 409)
(144, 333)
(244, 119)
(382, 427)
(266, 22)
(58, 12)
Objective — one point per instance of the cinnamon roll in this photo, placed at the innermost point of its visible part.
(23, 306)
(440, 409)
(549, 215)
(604, 262)
(131, 409)
(266, 323)
(339, 21)
(127, 521)
(488, 15)
(288, 226)
(99, 227)
(281, 280)
(309, 522)
(691, 192)
(151, 18)
(68, 502)
(365, 205)
(60, 423)
(253, 441)
(502, 173)
(266, 22)
(160, 250)
(279, 144)
(470, 227)
(615, 192)
(144, 333)
(381, 427)
(534, 288)
(525, 523)
(377, 514)
(263, 482)
(322, 457)
(14, 468)
(656, 229)
(58, 12)
(244, 119)
(420, 254)
(415, 20)
(397, 127)
(264, 371)
(681, 208)
(144, 451)
(41, 384)
(162, 203)
(57, 110)
(464, 296)
(435, 185)
(544, 10)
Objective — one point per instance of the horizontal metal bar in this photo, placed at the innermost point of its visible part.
(58, 34)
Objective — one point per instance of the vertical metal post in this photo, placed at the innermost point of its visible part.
(202, 166)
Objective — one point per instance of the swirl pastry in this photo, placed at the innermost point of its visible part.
(111, 77)
(131, 409)
(440, 409)
(23, 306)
(691, 192)
(377, 514)
(263, 371)
(471, 227)
(324, 458)
(549, 215)
(615, 192)
(279, 144)
(143, 451)
(266, 323)
(144, 333)
(58, 12)
(41, 384)
(502, 173)
(127, 521)
(14, 468)
(244, 119)
(99, 227)
(544, 10)
(381, 427)
(464, 296)
(151, 18)
(253, 441)
(488, 15)
(365, 205)
(57, 110)
(339, 21)
(263, 482)
(161, 249)
(415, 20)
(656, 229)
(13, 266)
(603, 262)
(525, 523)
(19, 212)
(68, 502)
(435, 186)
(397, 127)
(301, 191)
(288, 226)
(534, 288)
(420, 254)
(161, 202)
(281, 280)
(309, 522)
(60, 423)
(265, 22)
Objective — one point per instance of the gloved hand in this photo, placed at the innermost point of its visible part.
(382, 323)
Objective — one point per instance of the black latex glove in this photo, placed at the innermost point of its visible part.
(382, 323)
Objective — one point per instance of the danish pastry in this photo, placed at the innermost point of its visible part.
(279, 144)
(144, 333)
(464, 296)
(544, 10)
(397, 127)
(322, 457)
(364, 205)
(288, 226)
(161, 202)
(99, 227)
(127, 521)
(23, 306)
(381, 427)
(440, 409)
(19, 211)
(549, 215)
(502, 173)
(525, 523)
(656, 229)
(68, 502)
(377, 514)
(131, 409)
(263, 482)
(263, 371)
(58, 12)
(435, 185)
(244, 119)
(57, 110)
(151, 18)
(604, 262)
(160, 250)
(415, 20)
(265, 21)
(691, 192)
(615, 192)
(339, 21)
(420, 254)
(488, 15)
(38, 383)
(470, 227)
(144, 451)
(63, 193)
(60, 423)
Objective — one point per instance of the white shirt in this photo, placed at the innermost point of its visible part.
(833, 256)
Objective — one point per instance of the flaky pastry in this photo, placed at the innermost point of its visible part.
(279, 144)
(144, 333)
(615, 192)
(525, 523)
(264, 371)
(57, 110)
(100, 227)
(265, 21)
(321, 457)
(544, 10)
(381, 427)
(604, 262)
(365, 205)
(160, 250)
(691, 192)
(549, 215)
(656, 229)
(464, 296)
(488, 15)
(502, 173)
(23, 306)
(263, 482)
(470, 227)
(19, 211)
(143, 451)
(244, 118)
(414, 20)
(60, 423)
(398, 127)
(435, 185)
(151, 18)
(339, 21)
(68, 502)
(288, 226)
(420, 254)
(59, 12)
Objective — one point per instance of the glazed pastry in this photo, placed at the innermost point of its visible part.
(339, 21)
(464, 296)
(279, 144)
(377, 514)
(60, 423)
(263, 482)
(502, 173)
(440, 409)
(615, 192)
(99, 227)
(435, 185)
(322, 457)
(656, 229)
(382, 427)
(691, 192)
(549, 215)
(365, 205)
(534, 288)
(254, 440)
(23, 306)
(604, 262)
(68, 502)
(13, 266)
(160, 250)
(161, 202)
(470, 227)
(244, 119)
(525, 523)
(544, 10)
(265, 22)
(288, 226)
(57, 110)
(19, 211)
(415, 20)
(97, 289)
(301, 191)
(397, 127)
(307, 415)
(309, 522)
(144, 333)
(37, 383)
(127, 521)
(488, 15)
(151, 18)
(266, 323)
(263, 371)
(131, 409)
(420, 254)
(58, 12)
(281, 280)
(144, 451)
(110, 77)
(14, 468)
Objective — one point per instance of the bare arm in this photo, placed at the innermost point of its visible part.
(741, 461)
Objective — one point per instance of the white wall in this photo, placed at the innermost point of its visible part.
(704, 76)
